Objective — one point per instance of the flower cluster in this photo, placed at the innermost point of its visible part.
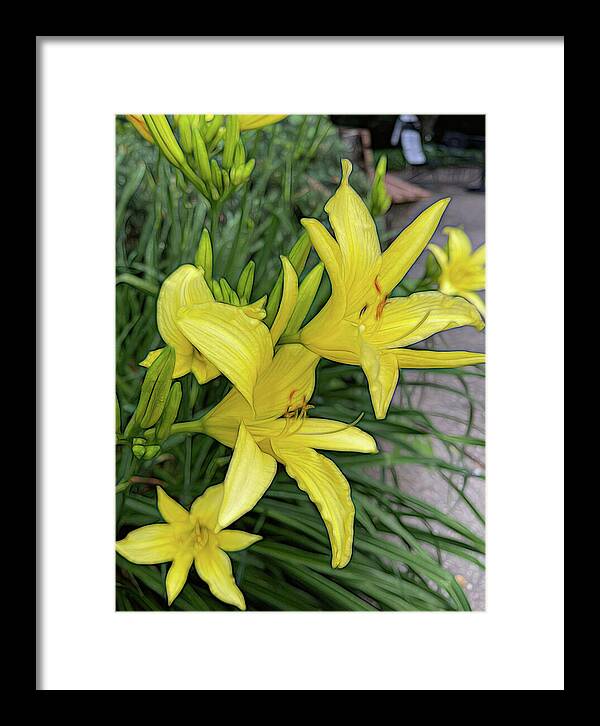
(269, 357)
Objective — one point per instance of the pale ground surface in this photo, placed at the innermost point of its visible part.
(467, 209)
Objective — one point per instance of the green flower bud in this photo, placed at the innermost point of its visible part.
(204, 254)
(245, 283)
(169, 414)
(306, 295)
(155, 389)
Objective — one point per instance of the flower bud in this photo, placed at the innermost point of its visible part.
(155, 389)
(204, 255)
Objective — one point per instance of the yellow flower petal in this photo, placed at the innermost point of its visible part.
(233, 540)
(289, 298)
(238, 345)
(289, 378)
(408, 320)
(185, 286)
(149, 545)
(322, 433)
(410, 358)
(248, 477)
(257, 121)
(478, 257)
(202, 369)
(439, 254)
(214, 567)
(205, 509)
(459, 245)
(408, 245)
(329, 252)
(170, 510)
(288, 381)
(328, 489)
(475, 300)
(381, 370)
(356, 235)
(178, 574)
(151, 357)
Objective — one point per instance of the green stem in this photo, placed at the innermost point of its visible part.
(187, 478)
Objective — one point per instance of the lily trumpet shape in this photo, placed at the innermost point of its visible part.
(278, 430)
(360, 324)
(210, 337)
(190, 537)
(462, 271)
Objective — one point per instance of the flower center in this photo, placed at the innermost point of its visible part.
(380, 302)
(296, 409)
(200, 536)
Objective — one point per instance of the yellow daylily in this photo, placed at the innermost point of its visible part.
(462, 271)
(360, 324)
(257, 121)
(190, 537)
(278, 430)
(210, 337)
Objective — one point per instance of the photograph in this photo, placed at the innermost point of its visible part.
(300, 378)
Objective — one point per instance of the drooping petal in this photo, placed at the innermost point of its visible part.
(459, 245)
(238, 345)
(328, 489)
(214, 567)
(289, 298)
(185, 286)
(234, 540)
(356, 235)
(178, 574)
(322, 433)
(149, 545)
(400, 256)
(205, 509)
(170, 510)
(248, 477)
(257, 121)
(411, 358)
(408, 320)
(381, 370)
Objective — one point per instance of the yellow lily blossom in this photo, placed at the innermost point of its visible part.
(462, 270)
(360, 324)
(190, 537)
(210, 337)
(257, 121)
(278, 430)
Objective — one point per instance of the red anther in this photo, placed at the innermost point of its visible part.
(377, 285)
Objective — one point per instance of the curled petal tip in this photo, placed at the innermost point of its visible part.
(346, 170)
